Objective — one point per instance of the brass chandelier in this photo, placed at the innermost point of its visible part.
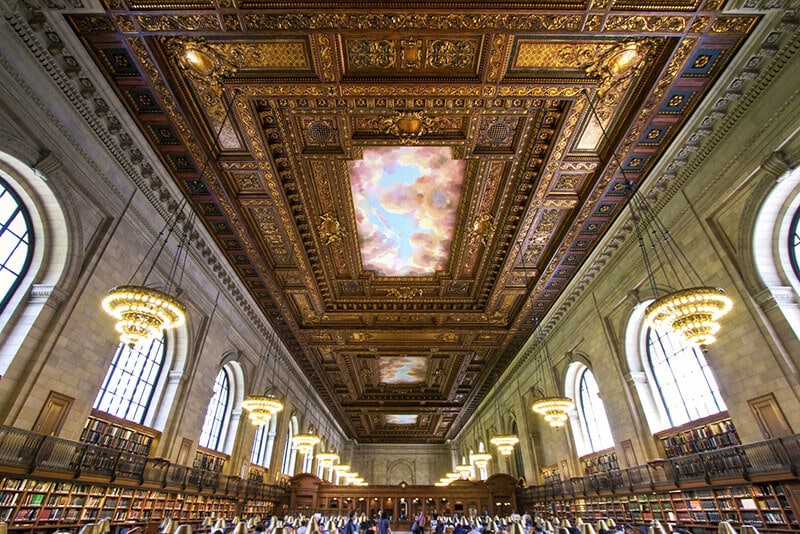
(555, 408)
(689, 308)
(692, 312)
(505, 443)
(305, 442)
(327, 459)
(143, 312)
(262, 408)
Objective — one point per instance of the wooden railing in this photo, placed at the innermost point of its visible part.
(775, 459)
(30, 453)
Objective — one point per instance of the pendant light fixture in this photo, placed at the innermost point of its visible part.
(304, 443)
(261, 408)
(504, 442)
(554, 408)
(689, 308)
(144, 311)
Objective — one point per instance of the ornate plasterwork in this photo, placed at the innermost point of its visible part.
(297, 122)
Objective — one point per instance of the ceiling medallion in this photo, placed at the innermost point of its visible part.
(409, 126)
(483, 228)
(330, 230)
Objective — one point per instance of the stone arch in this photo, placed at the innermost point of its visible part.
(401, 471)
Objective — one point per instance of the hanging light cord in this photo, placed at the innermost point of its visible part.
(172, 222)
(659, 237)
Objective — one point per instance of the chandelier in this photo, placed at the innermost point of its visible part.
(304, 443)
(554, 409)
(480, 459)
(262, 408)
(692, 312)
(142, 313)
(504, 443)
(464, 470)
(327, 459)
(690, 309)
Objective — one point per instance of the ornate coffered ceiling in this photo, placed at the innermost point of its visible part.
(260, 110)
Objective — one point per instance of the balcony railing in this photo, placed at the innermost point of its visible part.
(776, 458)
(33, 453)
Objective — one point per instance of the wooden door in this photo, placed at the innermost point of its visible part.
(53, 414)
(769, 416)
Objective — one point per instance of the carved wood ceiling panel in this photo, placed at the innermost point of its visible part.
(282, 99)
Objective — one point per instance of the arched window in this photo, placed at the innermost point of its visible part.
(683, 378)
(131, 380)
(592, 413)
(263, 444)
(794, 243)
(289, 452)
(218, 409)
(590, 427)
(259, 446)
(16, 242)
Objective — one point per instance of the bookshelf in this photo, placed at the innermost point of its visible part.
(209, 460)
(36, 505)
(698, 436)
(600, 462)
(109, 431)
(551, 474)
(765, 506)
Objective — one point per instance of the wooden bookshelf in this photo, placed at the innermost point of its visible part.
(765, 506)
(600, 462)
(108, 431)
(209, 460)
(36, 505)
(702, 435)
(551, 474)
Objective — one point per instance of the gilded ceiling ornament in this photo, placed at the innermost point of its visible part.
(409, 126)
(617, 64)
(494, 318)
(201, 63)
(411, 53)
(330, 230)
(403, 292)
(482, 228)
(370, 53)
(451, 53)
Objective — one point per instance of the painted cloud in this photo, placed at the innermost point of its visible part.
(406, 200)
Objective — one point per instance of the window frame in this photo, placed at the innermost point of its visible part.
(220, 401)
(22, 209)
(661, 388)
(127, 350)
